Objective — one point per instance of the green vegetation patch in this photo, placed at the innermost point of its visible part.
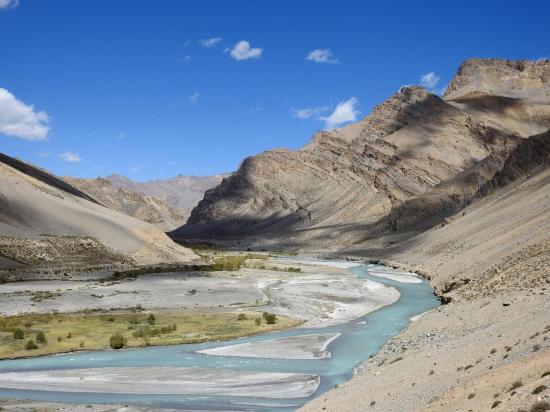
(57, 333)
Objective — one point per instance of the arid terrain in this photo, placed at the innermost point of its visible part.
(455, 189)
(49, 228)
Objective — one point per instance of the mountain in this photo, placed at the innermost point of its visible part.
(48, 227)
(487, 255)
(413, 162)
(136, 204)
(181, 192)
(164, 203)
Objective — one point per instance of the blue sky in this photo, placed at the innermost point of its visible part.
(92, 88)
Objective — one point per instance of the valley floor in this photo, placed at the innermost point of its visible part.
(82, 313)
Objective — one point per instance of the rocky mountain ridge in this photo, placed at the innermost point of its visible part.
(144, 207)
(180, 192)
(416, 159)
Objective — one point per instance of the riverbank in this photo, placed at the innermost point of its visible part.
(72, 332)
(187, 307)
(324, 356)
(489, 346)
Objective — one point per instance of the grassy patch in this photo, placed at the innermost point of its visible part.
(93, 330)
(214, 262)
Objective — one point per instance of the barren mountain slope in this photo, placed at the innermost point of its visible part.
(141, 206)
(41, 224)
(412, 162)
(490, 347)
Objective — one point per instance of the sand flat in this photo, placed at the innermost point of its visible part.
(164, 380)
(312, 346)
(398, 276)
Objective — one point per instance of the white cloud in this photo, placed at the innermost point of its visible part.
(185, 60)
(309, 112)
(8, 4)
(134, 169)
(70, 157)
(322, 56)
(98, 167)
(243, 51)
(345, 112)
(194, 98)
(121, 135)
(21, 120)
(429, 80)
(209, 43)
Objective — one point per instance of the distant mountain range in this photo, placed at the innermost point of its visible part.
(164, 203)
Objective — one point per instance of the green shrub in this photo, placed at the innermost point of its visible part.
(117, 341)
(471, 395)
(31, 345)
(241, 316)
(258, 321)
(142, 332)
(539, 389)
(18, 334)
(41, 338)
(515, 385)
(228, 263)
(151, 319)
(495, 404)
(270, 318)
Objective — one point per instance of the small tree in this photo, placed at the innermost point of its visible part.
(151, 319)
(270, 318)
(31, 345)
(18, 333)
(117, 341)
(258, 321)
(241, 316)
(41, 338)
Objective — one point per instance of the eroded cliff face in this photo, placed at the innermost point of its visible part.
(414, 160)
(522, 79)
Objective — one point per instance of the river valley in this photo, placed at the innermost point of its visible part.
(274, 371)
